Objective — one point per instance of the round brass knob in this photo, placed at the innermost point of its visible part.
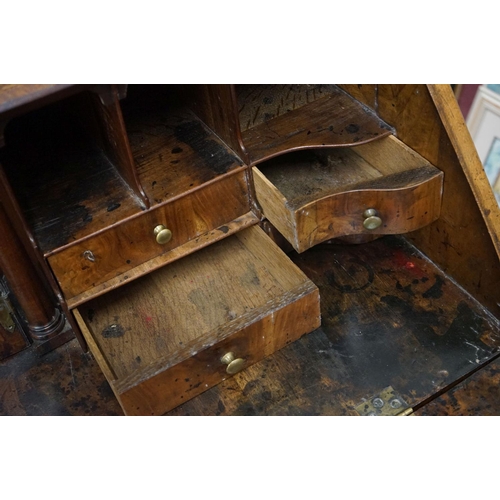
(234, 365)
(163, 235)
(372, 220)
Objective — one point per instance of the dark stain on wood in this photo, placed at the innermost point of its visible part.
(198, 138)
(376, 336)
(113, 206)
(63, 178)
(352, 128)
(113, 331)
(375, 333)
(477, 395)
(435, 290)
(65, 381)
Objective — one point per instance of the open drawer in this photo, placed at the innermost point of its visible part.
(382, 187)
(170, 335)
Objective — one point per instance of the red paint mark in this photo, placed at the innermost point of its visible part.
(149, 319)
(400, 260)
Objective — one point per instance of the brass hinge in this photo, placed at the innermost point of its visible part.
(386, 403)
(6, 314)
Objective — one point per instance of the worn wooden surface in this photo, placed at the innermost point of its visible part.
(174, 151)
(172, 327)
(283, 123)
(174, 254)
(217, 106)
(64, 183)
(427, 118)
(65, 381)
(477, 395)
(389, 318)
(120, 249)
(38, 305)
(111, 135)
(300, 191)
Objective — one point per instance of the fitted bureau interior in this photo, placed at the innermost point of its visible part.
(114, 191)
(278, 118)
(381, 187)
(173, 334)
(173, 150)
(67, 172)
(161, 315)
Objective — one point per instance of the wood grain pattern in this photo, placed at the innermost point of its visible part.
(333, 120)
(257, 104)
(38, 306)
(176, 253)
(114, 141)
(243, 288)
(122, 247)
(174, 151)
(364, 93)
(14, 95)
(217, 106)
(65, 184)
(460, 241)
(390, 317)
(452, 120)
(312, 196)
(427, 338)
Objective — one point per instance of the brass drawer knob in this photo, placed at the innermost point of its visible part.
(234, 365)
(372, 220)
(163, 235)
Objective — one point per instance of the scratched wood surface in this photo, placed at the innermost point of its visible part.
(299, 191)
(217, 106)
(174, 151)
(171, 327)
(478, 394)
(427, 118)
(64, 182)
(389, 318)
(278, 118)
(119, 250)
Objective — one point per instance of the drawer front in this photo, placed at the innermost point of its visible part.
(396, 211)
(400, 203)
(125, 246)
(189, 378)
(161, 340)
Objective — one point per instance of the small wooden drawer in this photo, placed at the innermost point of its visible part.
(160, 340)
(382, 187)
(93, 261)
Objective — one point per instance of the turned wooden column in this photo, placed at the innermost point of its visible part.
(44, 318)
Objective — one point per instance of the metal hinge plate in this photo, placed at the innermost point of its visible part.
(6, 318)
(386, 403)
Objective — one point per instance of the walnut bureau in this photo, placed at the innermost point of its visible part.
(149, 218)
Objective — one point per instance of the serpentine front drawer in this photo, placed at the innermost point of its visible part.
(178, 331)
(382, 187)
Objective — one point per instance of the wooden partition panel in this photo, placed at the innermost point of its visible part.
(464, 240)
